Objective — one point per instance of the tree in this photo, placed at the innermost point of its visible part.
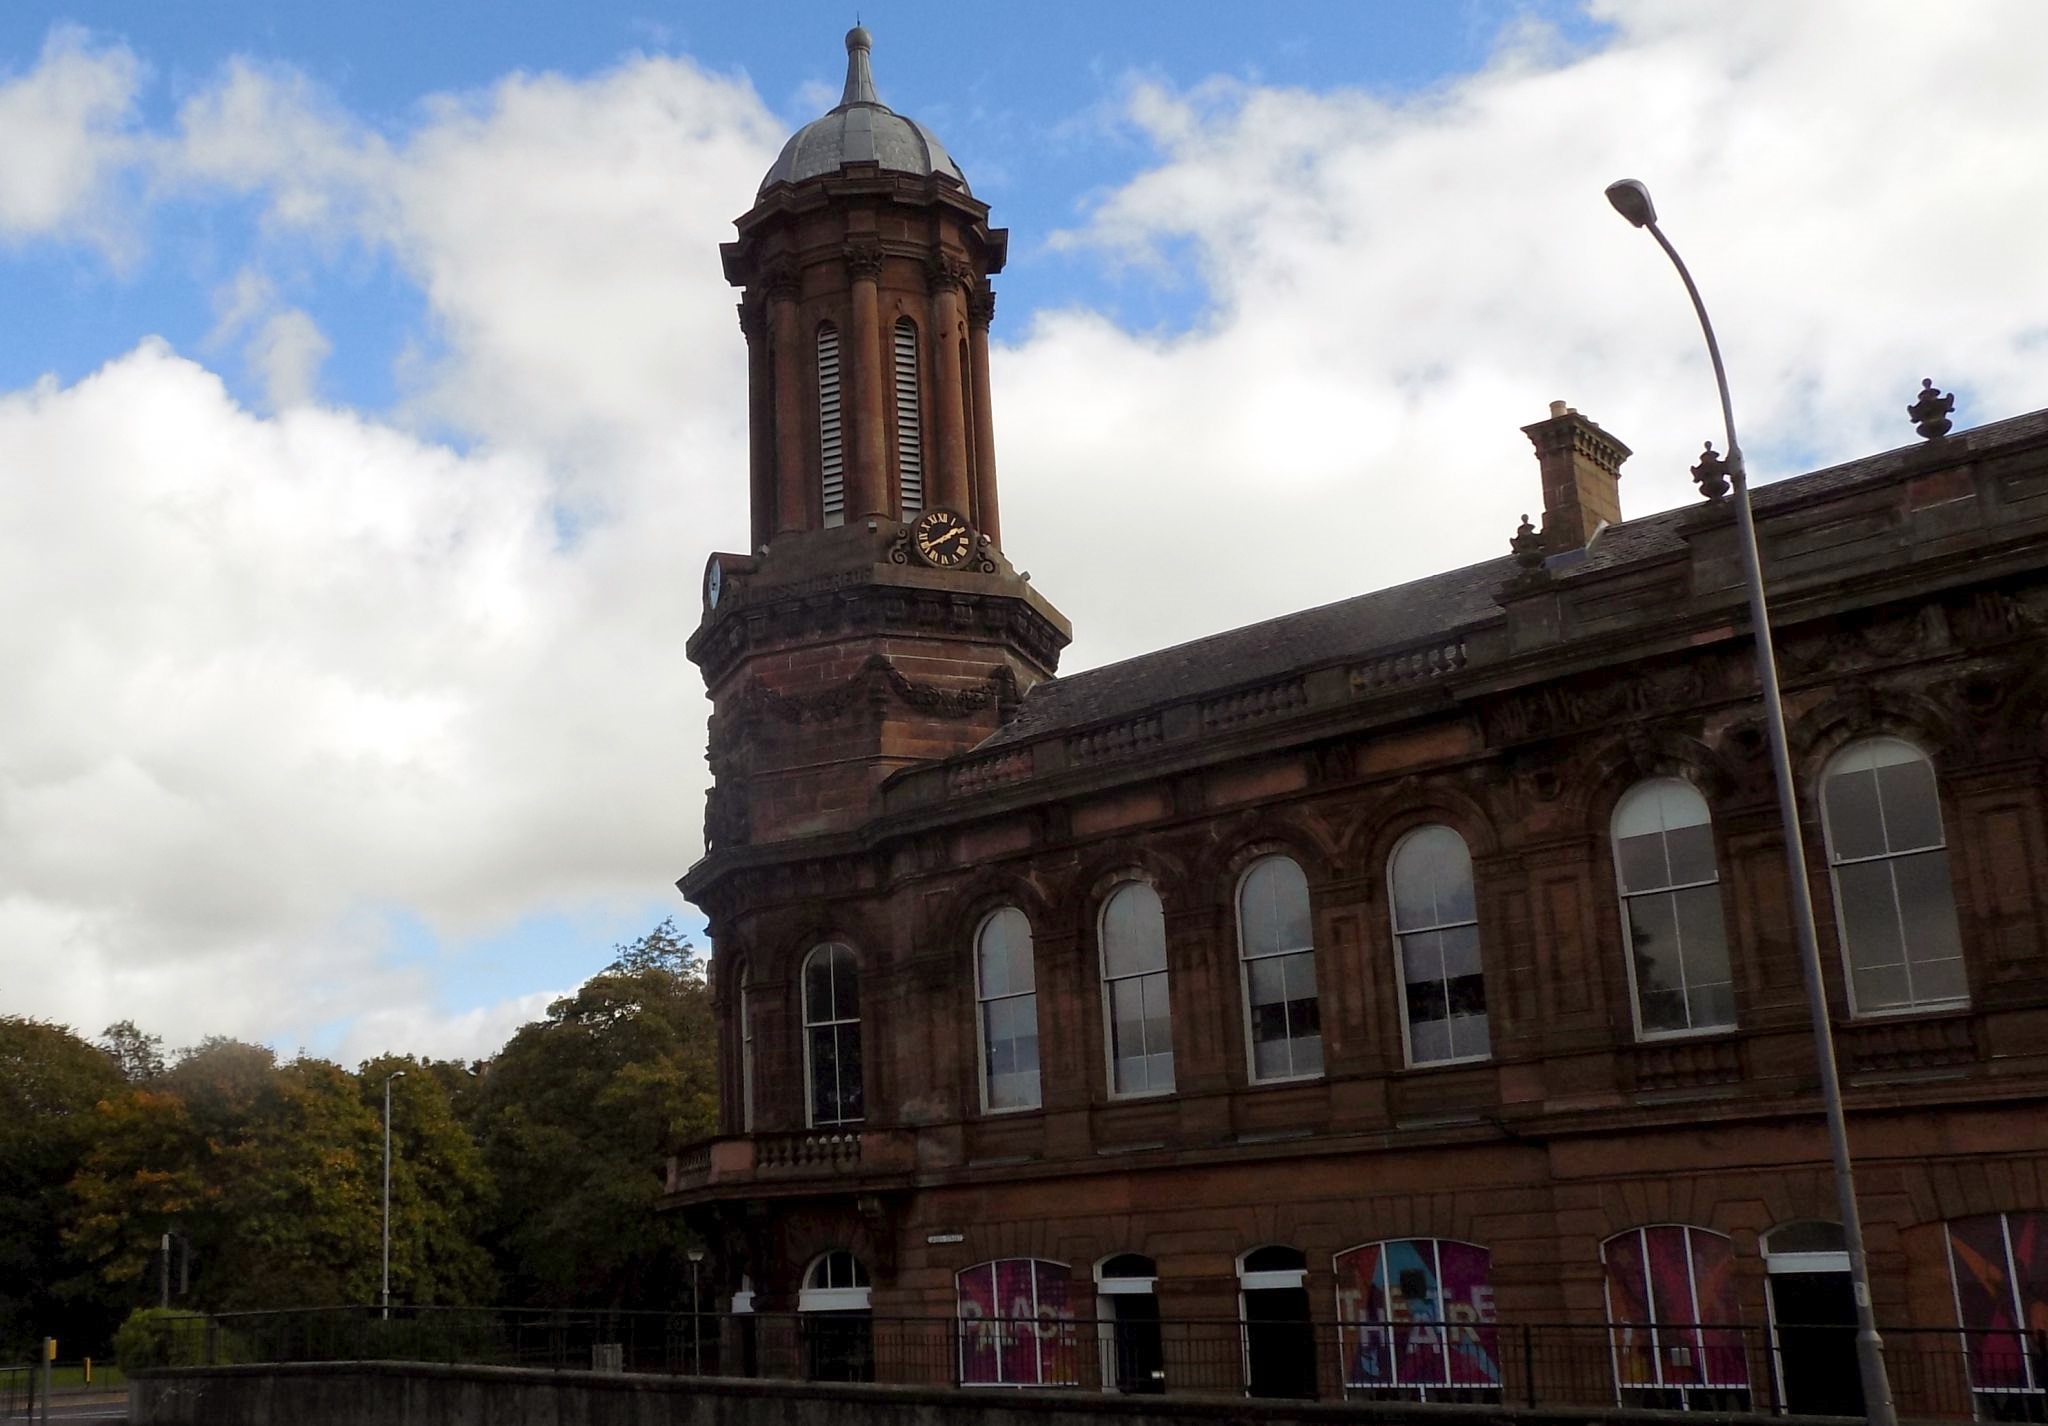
(51, 1083)
(441, 1191)
(576, 1117)
(140, 1056)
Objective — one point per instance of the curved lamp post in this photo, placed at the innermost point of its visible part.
(1632, 200)
(395, 1074)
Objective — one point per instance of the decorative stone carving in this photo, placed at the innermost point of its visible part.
(863, 260)
(943, 270)
(981, 303)
(1711, 474)
(1528, 545)
(1930, 413)
(782, 278)
(877, 677)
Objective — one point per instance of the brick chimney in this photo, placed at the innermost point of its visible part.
(1581, 467)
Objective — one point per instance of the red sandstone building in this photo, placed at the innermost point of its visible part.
(1416, 968)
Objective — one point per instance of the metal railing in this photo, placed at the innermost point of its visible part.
(1936, 1372)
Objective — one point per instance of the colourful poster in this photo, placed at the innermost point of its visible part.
(1672, 1305)
(2000, 1261)
(1016, 1328)
(1417, 1312)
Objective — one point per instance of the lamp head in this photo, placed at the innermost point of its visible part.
(696, 1255)
(1632, 200)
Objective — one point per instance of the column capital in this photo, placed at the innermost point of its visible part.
(753, 320)
(981, 303)
(944, 272)
(781, 279)
(863, 260)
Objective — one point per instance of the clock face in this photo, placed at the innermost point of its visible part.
(942, 538)
(714, 584)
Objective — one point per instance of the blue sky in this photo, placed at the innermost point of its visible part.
(369, 397)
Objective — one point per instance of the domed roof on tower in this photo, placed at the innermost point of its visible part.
(862, 129)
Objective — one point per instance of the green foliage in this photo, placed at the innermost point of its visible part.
(51, 1083)
(160, 1337)
(442, 1194)
(576, 1117)
(140, 1056)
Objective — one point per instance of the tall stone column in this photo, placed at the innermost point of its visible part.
(869, 464)
(949, 276)
(760, 428)
(981, 310)
(791, 508)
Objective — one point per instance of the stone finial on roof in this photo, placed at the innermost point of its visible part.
(860, 80)
(1930, 413)
(1528, 544)
(1711, 474)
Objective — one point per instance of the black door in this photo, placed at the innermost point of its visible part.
(1139, 1355)
(838, 1346)
(1815, 1315)
(1280, 1346)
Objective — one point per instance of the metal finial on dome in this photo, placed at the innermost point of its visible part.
(860, 81)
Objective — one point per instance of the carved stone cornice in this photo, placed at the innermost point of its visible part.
(756, 700)
(1567, 708)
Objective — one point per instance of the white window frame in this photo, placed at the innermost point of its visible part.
(1244, 976)
(810, 1070)
(1400, 968)
(1108, 997)
(834, 1299)
(981, 1004)
(1848, 965)
(1623, 896)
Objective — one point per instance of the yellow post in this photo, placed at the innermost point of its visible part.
(88, 1371)
(49, 1349)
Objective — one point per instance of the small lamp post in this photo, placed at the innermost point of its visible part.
(395, 1074)
(1632, 200)
(696, 1319)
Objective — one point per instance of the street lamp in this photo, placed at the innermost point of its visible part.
(696, 1256)
(395, 1074)
(1632, 200)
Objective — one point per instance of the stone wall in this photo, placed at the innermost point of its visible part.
(407, 1394)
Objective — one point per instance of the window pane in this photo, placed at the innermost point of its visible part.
(1691, 850)
(1927, 903)
(1158, 1019)
(1641, 863)
(1471, 1036)
(1709, 994)
(1854, 826)
(1422, 959)
(818, 987)
(1870, 920)
(1912, 809)
(1133, 931)
(1432, 879)
(1461, 950)
(848, 1047)
(824, 1075)
(1270, 1058)
(845, 985)
(1274, 907)
(1268, 982)
(1663, 1010)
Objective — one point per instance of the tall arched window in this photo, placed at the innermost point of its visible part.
(1007, 993)
(1277, 961)
(1436, 935)
(1674, 1318)
(1138, 1017)
(1889, 861)
(1017, 1324)
(909, 429)
(1671, 909)
(746, 1010)
(832, 1035)
(831, 439)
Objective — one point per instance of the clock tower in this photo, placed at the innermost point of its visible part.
(875, 622)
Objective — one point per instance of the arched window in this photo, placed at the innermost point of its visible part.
(1893, 900)
(909, 429)
(1674, 1319)
(1007, 994)
(1436, 933)
(1137, 1014)
(746, 1012)
(831, 439)
(832, 1035)
(1277, 962)
(835, 1330)
(1415, 1320)
(1016, 1324)
(1671, 909)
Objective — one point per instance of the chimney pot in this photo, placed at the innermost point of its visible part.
(1558, 408)
(1581, 466)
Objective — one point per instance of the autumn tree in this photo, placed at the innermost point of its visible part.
(441, 1191)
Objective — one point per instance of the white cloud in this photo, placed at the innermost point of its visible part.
(287, 353)
(1397, 287)
(67, 138)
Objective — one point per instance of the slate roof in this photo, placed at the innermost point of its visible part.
(1405, 615)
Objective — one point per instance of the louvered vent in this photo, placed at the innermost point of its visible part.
(831, 445)
(909, 434)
